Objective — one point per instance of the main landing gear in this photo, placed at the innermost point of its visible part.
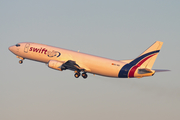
(84, 75)
(77, 74)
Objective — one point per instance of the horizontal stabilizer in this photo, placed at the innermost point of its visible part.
(145, 70)
(160, 70)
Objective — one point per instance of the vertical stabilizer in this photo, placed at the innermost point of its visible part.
(141, 66)
(151, 54)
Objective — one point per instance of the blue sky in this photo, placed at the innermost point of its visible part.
(112, 29)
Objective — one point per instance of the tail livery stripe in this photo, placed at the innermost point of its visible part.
(133, 69)
(126, 68)
(142, 61)
(135, 61)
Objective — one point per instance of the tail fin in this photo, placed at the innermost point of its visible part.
(141, 66)
(148, 57)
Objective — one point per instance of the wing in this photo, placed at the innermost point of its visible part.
(63, 65)
(71, 65)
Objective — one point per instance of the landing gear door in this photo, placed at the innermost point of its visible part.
(26, 48)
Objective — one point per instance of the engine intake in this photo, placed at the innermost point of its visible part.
(55, 65)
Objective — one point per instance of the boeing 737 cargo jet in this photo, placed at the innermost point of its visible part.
(81, 63)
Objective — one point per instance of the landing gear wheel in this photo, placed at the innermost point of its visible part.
(76, 75)
(20, 61)
(84, 75)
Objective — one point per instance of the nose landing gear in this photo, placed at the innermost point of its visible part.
(20, 61)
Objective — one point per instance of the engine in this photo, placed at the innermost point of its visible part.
(55, 65)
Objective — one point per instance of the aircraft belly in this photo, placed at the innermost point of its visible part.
(106, 71)
(101, 66)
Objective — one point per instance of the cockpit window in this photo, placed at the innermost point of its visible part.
(17, 45)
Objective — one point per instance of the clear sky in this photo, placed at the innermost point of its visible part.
(117, 29)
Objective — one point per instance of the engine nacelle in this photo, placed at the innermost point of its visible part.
(55, 65)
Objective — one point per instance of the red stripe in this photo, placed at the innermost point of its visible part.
(133, 69)
(142, 61)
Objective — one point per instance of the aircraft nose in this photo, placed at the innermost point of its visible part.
(11, 48)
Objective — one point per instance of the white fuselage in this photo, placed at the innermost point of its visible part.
(91, 64)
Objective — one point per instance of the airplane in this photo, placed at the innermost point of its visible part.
(81, 63)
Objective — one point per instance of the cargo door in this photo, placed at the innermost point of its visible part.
(26, 48)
